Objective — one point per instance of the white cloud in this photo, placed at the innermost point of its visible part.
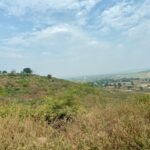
(113, 17)
(63, 46)
(7, 53)
(124, 15)
(64, 34)
(15, 41)
(42, 13)
(21, 7)
(139, 36)
(140, 32)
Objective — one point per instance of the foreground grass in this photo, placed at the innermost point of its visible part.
(37, 113)
(124, 125)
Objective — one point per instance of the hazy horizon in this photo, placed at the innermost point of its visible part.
(69, 38)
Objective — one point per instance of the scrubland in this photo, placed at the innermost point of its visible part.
(38, 113)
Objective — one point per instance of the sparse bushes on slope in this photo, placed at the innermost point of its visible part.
(36, 113)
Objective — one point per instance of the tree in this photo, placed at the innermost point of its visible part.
(132, 83)
(49, 76)
(4, 72)
(129, 87)
(27, 71)
(106, 84)
(119, 85)
(115, 86)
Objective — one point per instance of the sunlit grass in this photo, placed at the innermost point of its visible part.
(72, 117)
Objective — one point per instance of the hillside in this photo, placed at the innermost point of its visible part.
(38, 112)
(34, 87)
(30, 87)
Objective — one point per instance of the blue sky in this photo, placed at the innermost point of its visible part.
(75, 37)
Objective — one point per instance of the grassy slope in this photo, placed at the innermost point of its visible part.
(41, 113)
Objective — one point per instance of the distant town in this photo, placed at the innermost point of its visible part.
(126, 84)
(136, 81)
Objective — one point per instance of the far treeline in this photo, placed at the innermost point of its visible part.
(25, 71)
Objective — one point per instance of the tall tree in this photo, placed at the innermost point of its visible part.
(27, 71)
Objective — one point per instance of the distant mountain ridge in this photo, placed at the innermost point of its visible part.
(138, 74)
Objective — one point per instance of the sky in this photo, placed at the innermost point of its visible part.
(68, 38)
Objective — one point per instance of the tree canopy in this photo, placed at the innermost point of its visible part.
(27, 71)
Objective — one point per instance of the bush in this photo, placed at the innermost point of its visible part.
(27, 71)
(4, 72)
(48, 109)
(142, 98)
(56, 110)
(49, 76)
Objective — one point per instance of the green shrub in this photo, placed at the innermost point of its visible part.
(48, 109)
(142, 98)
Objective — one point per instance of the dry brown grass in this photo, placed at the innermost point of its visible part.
(97, 119)
(28, 135)
(121, 126)
(125, 126)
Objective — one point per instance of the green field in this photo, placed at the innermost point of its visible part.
(41, 113)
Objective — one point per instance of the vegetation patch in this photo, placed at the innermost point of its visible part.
(48, 113)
